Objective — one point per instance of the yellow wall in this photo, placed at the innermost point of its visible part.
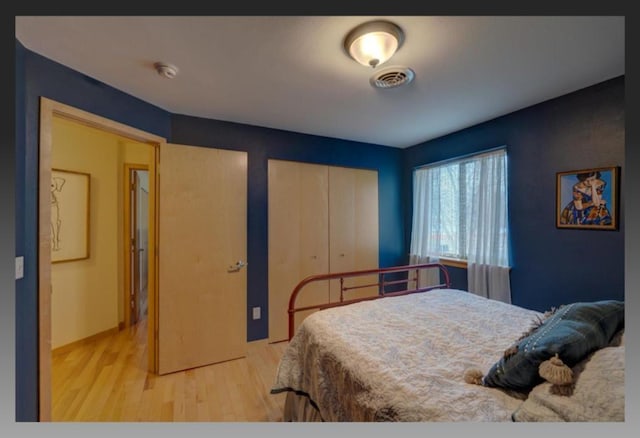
(88, 294)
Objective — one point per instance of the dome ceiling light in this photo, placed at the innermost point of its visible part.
(374, 42)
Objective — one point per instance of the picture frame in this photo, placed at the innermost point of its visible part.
(70, 196)
(588, 199)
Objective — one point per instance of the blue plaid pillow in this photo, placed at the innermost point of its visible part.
(573, 332)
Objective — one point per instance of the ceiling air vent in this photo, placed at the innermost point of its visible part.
(392, 77)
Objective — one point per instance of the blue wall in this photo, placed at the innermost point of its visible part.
(26, 297)
(581, 130)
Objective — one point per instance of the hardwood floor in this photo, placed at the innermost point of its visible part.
(106, 380)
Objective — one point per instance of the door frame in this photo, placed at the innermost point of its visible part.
(48, 109)
(129, 168)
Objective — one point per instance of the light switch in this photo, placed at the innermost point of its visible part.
(19, 267)
(256, 313)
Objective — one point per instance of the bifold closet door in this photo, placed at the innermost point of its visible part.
(353, 229)
(298, 239)
(202, 236)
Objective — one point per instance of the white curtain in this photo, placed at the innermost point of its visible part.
(460, 211)
(487, 235)
(426, 221)
(434, 213)
(489, 281)
(426, 277)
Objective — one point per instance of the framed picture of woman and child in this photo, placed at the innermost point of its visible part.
(588, 199)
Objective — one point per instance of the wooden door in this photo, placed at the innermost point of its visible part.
(202, 235)
(353, 228)
(298, 239)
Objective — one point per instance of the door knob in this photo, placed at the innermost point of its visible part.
(239, 265)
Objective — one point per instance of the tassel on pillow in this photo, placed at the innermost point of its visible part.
(558, 374)
(473, 376)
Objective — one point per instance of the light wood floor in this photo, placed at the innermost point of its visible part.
(106, 380)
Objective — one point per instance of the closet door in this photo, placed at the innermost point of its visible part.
(353, 228)
(298, 239)
(202, 234)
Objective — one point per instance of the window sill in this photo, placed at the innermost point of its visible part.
(456, 263)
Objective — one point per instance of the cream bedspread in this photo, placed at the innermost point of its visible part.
(403, 358)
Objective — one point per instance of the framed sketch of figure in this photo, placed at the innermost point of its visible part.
(70, 191)
(588, 199)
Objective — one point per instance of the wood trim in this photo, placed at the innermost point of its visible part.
(126, 247)
(49, 108)
(153, 260)
(128, 167)
(84, 341)
(44, 262)
(98, 122)
(456, 263)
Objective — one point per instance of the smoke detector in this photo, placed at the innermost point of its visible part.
(168, 71)
(391, 77)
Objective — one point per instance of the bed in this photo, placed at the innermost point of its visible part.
(414, 355)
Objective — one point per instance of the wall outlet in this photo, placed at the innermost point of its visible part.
(256, 313)
(19, 267)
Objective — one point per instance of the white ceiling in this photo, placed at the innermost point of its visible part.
(291, 72)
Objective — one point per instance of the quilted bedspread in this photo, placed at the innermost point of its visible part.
(403, 358)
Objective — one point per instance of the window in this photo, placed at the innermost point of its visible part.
(460, 209)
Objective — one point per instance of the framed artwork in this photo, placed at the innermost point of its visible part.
(69, 215)
(588, 199)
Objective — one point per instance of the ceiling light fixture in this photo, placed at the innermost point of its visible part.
(374, 42)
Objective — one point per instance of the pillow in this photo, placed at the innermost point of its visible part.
(618, 339)
(572, 332)
(598, 393)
